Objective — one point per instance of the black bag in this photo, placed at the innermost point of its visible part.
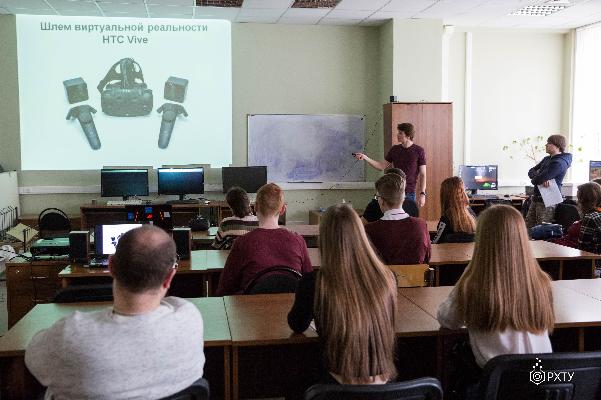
(123, 91)
(545, 231)
(199, 223)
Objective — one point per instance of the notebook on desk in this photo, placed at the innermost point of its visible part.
(106, 238)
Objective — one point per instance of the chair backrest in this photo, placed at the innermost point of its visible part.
(566, 214)
(564, 376)
(410, 207)
(83, 293)
(53, 222)
(199, 390)
(414, 275)
(278, 279)
(418, 389)
(493, 202)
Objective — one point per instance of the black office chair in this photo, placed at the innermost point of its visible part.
(272, 280)
(418, 389)
(52, 223)
(84, 293)
(493, 202)
(566, 214)
(199, 390)
(526, 377)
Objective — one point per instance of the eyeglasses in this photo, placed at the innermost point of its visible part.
(176, 263)
(377, 196)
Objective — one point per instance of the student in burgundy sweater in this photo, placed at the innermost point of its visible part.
(399, 238)
(265, 247)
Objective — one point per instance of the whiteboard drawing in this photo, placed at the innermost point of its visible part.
(307, 148)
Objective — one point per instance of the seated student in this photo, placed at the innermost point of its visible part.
(241, 222)
(503, 297)
(372, 211)
(589, 198)
(353, 301)
(143, 347)
(589, 238)
(265, 247)
(457, 222)
(398, 238)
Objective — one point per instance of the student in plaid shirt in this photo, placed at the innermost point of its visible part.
(589, 238)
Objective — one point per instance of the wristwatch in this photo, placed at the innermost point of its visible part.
(422, 193)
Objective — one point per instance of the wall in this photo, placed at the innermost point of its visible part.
(276, 69)
(518, 89)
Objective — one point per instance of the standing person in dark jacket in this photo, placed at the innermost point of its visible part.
(554, 166)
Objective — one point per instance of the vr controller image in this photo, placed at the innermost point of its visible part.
(123, 92)
(170, 112)
(84, 114)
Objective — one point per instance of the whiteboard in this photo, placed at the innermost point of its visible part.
(307, 148)
(9, 190)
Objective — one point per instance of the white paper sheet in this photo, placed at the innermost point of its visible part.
(551, 195)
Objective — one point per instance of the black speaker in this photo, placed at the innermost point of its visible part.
(79, 247)
(183, 242)
(175, 89)
(76, 90)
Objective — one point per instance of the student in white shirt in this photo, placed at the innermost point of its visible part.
(503, 297)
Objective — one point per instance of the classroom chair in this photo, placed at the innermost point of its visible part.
(414, 275)
(542, 376)
(279, 279)
(566, 214)
(418, 389)
(84, 293)
(199, 390)
(52, 223)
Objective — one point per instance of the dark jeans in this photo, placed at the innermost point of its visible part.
(410, 196)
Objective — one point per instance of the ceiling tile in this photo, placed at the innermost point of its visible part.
(267, 13)
(407, 6)
(187, 3)
(216, 12)
(383, 15)
(257, 19)
(447, 8)
(349, 14)
(169, 10)
(306, 12)
(298, 21)
(21, 5)
(332, 21)
(133, 14)
(267, 4)
(370, 5)
(73, 6)
(112, 8)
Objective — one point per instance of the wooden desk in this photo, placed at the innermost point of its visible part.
(18, 383)
(260, 335)
(203, 240)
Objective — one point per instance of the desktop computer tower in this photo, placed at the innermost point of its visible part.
(183, 242)
(79, 247)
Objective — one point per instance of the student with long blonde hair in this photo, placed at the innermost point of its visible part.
(353, 300)
(458, 221)
(503, 297)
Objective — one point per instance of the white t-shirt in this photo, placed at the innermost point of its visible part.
(487, 345)
(103, 355)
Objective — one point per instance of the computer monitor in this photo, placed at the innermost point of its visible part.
(248, 178)
(181, 181)
(479, 177)
(123, 182)
(106, 237)
(594, 170)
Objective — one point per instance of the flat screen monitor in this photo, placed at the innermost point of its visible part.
(248, 178)
(106, 237)
(594, 170)
(479, 177)
(181, 181)
(124, 182)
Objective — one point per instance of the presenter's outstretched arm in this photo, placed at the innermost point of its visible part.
(379, 165)
(421, 178)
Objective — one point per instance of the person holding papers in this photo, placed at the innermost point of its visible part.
(552, 167)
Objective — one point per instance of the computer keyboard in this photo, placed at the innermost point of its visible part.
(130, 202)
(486, 197)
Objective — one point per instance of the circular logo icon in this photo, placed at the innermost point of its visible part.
(537, 377)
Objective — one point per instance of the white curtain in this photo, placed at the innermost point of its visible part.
(586, 123)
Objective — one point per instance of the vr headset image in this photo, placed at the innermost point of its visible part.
(123, 92)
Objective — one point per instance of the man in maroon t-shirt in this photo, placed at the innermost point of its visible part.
(267, 246)
(410, 158)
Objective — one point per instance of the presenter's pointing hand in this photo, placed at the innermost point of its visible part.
(360, 156)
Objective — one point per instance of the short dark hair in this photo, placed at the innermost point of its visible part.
(391, 188)
(237, 199)
(559, 141)
(589, 197)
(143, 259)
(407, 129)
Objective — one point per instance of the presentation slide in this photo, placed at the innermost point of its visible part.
(99, 92)
(111, 235)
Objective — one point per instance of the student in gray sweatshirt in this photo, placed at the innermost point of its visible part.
(145, 346)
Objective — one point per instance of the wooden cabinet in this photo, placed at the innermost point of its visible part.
(433, 124)
(28, 284)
